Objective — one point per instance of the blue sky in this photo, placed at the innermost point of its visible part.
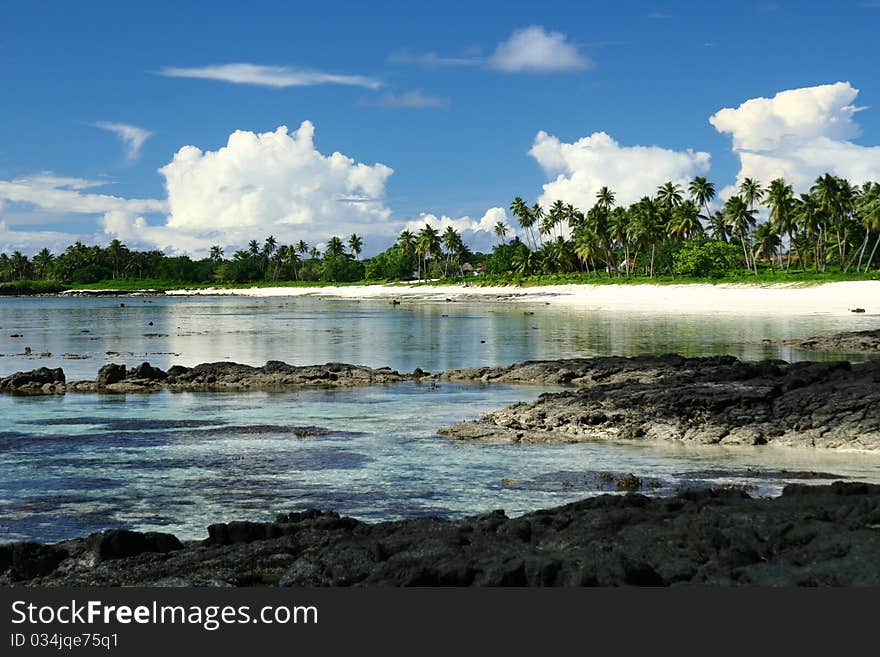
(442, 93)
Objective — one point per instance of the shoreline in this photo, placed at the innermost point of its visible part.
(777, 298)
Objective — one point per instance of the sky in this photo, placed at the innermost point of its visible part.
(178, 125)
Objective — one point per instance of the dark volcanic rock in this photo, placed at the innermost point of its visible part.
(811, 536)
(24, 561)
(700, 400)
(120, 543)
(110, 374)
(146, 372)
(274, 375)
(41, 379)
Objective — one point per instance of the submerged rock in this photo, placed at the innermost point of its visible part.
(852, 341)
(810, 536)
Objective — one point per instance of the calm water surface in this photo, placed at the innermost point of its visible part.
(176, 462)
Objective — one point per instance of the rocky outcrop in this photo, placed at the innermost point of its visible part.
(695, 400)
(810, 536)
(207, 376)
(40, 380)
(853, 342)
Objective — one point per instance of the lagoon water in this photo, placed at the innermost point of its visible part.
(77, 463)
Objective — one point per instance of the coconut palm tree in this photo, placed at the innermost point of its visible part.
(741, 219)
(427, 246)
(41, 263)
(501, 231)
(335, 247)
(767, 242)
(523, 213)
(291, 257)
(618, 230)
(669, 196)
(780, 200)
(809, 220)
(751, 192)
(216, 253)
(302, 248)
(685, 221)
(254, 248)
(702, 192)
(450, 241)
(648, 227)
(605, 198)
(356, 244)
(869, 210)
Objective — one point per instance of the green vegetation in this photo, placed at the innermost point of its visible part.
(830, 233)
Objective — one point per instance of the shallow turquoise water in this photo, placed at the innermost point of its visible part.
(177, 462)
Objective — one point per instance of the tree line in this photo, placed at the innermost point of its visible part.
(674, 232)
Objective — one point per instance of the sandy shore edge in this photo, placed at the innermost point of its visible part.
(836, 298)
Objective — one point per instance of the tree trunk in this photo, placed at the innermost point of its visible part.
(873, 251)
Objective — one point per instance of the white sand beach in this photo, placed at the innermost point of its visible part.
(785, 299)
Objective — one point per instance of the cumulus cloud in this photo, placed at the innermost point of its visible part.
(132, 136)
(269, 76)
(799, 135)
(533, 49)
(578, 170)
(479, 234)
(407, 100)
(261, 183)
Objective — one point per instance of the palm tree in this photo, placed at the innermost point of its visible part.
(648, 228)
(427, 245)
(407, 242)
(291, 257)
(335, 247)
(523, 213)
(314, 253)
(780, 199)
(254, 248)
(869, 209)
(587, 247)
(605, 198)
(41, 263)
(751, 192)
(501, 231)
(767, 242)
(537, 214)
(741, 219)
(356, 244)
(450, 240)
(702, 192)
(669, 195)
(216, 253)
(809, 220)
(302, 248)
(685, 221)
(618, 230)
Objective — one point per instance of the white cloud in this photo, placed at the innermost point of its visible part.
(578, 170)
(132, 136)
(269, 76)
(533, 49)
(29, 242)
(479, 234)
(50, 192)
(259, 184)
(409, 99)
(799, 135)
